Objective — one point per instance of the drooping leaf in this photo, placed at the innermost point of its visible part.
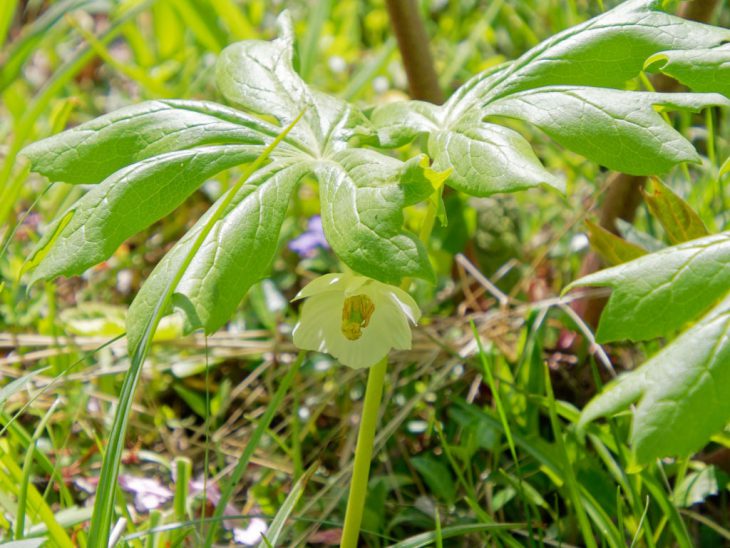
(657, 294)
(612, 248)
(618, 129)
(489, 158)
(235, 254)
(94, 150)
(679, 220)
(363, 194)
(700, 69)
(682, 389)
(125, 203)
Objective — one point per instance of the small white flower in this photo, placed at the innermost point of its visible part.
(355, 319)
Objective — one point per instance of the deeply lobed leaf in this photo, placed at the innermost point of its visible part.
(125, 203)
(235, 254)
(91, 152)
(549, 87)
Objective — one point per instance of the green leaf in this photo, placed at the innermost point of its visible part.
(437, 475)
(362, 194)
(487, 159)
(612, 248)
(679, 220)
(547, 86)
(699, 69)
(658, 293)
(94, 150)
(235, 254)
(258, 76)
(605, 51)
(618, 129)
(127, 202)
(683, 389)
(400, 122)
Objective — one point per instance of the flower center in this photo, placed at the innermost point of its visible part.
(356, 314)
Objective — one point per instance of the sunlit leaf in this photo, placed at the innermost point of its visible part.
(700, 69)
(681, 391)
(657, 294)
(94, 150)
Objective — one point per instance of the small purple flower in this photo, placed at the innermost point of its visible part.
(306, 244)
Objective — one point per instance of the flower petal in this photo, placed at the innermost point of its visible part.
(320, 317)
(406, 303)
(320, 325)
(328, 282)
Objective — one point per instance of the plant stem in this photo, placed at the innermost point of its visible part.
(415, 51)
(363, 454)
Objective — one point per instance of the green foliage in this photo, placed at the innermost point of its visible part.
(682, 390)
(679, 220)
(657, 294)
(612, 249)
(172, 147)
(702, 69)
(143, 162)
(548, 87)
(178, 145)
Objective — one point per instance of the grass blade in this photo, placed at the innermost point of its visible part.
(277, 525)
(27, 466)
(261, 428)
(570, 479)
(17, 385)
(424, 539)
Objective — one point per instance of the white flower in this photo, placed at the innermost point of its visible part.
(355, 319)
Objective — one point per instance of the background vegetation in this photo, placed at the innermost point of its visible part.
(477, 442)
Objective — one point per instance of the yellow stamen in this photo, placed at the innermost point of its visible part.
(356, 313)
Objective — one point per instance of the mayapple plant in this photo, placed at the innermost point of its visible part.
(143, 161)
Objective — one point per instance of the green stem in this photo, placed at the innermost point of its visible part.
(363, 454)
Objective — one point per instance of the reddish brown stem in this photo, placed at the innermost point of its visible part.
(415, 50)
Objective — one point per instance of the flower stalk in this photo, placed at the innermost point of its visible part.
(363, 454)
